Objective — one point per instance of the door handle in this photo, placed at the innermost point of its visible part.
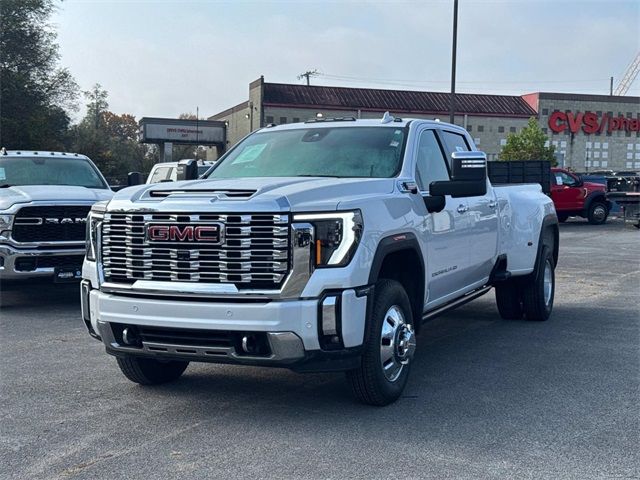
(493, 204)
(462, 208)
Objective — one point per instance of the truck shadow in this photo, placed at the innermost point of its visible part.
(33, 294)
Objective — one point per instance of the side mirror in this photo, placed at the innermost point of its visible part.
(469, 172)
(134, 178)
(187, 169)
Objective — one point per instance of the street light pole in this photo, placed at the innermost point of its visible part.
(452, 99)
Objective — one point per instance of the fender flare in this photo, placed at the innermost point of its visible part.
(396, 243)
(592, 197)
(549, 221)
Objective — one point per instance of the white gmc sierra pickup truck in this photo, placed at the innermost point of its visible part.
(44, 201)
(319, 246)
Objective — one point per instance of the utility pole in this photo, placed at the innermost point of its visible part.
(308, 74)
(452, 99)
(611, 87)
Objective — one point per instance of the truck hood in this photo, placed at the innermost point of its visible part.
(50, 193)
(277, 194)
(591, 186)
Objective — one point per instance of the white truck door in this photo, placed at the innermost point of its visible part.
(446, 232)
(483, 218)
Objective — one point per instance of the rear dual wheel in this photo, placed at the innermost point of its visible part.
(531, 296)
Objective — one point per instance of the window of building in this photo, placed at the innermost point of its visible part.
(605, 145)
(296, 120)
(283, 120)
(500, 129)
(269, 119)
(588, 145)
(596, 163)
(596, 154)
(605, 154)
(555, 143)
(563, 144)
(629, 164)
(637, 146)
(636, 165)
(476, 141)
(469, 128)
(546, 144)
(545, 111)
(629, 155)
(604, 163)
(637, 156)
(545, 131)
(599, 112)
(503, 142)
(629, 146)
(596, 145)
(480, 128)
(512, 129)
(431, 165)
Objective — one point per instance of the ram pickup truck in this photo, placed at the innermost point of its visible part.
(319, 246)
(44, 201)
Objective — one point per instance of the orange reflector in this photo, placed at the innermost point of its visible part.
(318, 252)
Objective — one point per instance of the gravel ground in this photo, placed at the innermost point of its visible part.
(486, 398)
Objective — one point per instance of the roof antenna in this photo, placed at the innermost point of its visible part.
(387, 118)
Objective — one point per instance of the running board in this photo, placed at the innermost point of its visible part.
(456, 303)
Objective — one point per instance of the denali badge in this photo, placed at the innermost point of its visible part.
(211, 233)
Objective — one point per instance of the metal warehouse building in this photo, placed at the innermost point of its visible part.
(589, 131)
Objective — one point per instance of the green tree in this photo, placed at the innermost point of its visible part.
(110, 140)
(529, 144)
(35, 92)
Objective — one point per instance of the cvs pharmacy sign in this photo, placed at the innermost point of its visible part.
(590, 122)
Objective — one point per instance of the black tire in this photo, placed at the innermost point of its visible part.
(147, 371)
(562, 217)
(598, 213)
(536, 300)
(509, 299)
(369, 382)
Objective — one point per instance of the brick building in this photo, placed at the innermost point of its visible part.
(588, 131)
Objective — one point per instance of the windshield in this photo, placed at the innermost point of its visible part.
(373, 152)
(49, 171)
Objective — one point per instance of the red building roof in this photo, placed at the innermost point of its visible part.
(395, 101)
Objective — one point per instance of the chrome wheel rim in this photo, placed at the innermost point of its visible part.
(397, 343)
(599, 213)
(548, 282)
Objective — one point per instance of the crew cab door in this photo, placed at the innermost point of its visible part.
(446, 233)
(565, 191)
(482, 216)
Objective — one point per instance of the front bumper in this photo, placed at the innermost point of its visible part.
(291, 329)
(16, 264)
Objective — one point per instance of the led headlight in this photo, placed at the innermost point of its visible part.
(94, 219)
(6, 221)
(336, 236)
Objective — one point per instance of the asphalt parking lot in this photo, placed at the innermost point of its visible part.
(486, 398)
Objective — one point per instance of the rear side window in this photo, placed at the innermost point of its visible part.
(431, 165)
(455, 142)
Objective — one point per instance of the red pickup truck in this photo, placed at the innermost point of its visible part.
(574, 197)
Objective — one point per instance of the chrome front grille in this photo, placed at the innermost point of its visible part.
(253, 250)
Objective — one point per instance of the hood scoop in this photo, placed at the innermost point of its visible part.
(231, 194)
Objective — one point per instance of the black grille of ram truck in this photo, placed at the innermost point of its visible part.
(61, 223)
(248, 250)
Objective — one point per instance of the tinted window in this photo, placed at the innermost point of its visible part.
(455, 142)
(374, 152)
(49, 171)
(431, 165)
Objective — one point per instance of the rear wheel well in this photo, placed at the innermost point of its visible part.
(550, 238)
(405, 266)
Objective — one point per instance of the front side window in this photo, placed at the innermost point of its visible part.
(49, 171)
(160, 174)
(367, 152)
(455, 142)
(563, 178)
(431, 165)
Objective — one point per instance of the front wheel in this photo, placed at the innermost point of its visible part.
(598, 213)
(389, 347)
(148, 371)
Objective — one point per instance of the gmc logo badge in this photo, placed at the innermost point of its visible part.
(185, 233)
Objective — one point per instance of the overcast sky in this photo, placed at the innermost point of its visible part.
(162, 58)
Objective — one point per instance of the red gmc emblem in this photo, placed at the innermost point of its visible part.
(185, 233)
